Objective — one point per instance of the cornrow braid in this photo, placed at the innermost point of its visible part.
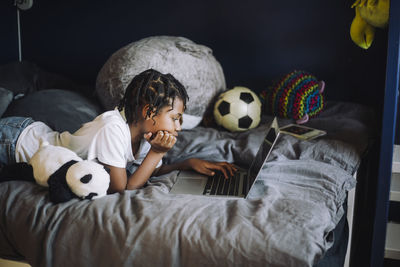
(152, 88)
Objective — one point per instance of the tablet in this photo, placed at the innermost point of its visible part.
(302, 132)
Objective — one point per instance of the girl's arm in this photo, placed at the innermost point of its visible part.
(119, 180)
(199, 165)
(145, 170)
(160, 144)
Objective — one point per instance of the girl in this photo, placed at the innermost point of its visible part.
(140, 131)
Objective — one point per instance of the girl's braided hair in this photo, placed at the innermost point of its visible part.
(153, 88)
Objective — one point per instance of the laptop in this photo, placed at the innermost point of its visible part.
(238, 186)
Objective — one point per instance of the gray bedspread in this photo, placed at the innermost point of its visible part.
(287, 220)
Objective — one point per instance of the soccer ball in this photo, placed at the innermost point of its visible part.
(238, 109)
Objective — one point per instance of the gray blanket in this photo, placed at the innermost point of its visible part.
(287, 221)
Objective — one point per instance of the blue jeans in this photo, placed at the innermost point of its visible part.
(10, 129)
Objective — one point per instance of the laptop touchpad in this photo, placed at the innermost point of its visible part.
(193, 186)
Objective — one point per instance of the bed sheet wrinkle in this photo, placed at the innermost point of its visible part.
(300, 231)
(311, 173)
(295, 193)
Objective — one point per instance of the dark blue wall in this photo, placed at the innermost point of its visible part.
(8, 32)
(255, 41)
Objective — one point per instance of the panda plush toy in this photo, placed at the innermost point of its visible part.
(65, 174)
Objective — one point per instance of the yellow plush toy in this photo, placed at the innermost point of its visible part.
(370, 14)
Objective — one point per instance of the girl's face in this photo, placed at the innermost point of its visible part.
(168, 119)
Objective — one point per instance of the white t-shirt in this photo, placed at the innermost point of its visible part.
(107, 139)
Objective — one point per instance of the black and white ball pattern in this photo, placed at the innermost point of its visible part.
(238, 109)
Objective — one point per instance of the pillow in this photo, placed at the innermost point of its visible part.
(6, 97)
(62, 110)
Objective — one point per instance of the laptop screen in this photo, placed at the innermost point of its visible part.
(261, 156)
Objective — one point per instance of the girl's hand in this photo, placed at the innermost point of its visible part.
(209, 168)
(161, 142)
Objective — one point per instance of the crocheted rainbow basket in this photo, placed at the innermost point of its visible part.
(298, 95)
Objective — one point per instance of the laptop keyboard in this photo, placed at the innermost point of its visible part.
(218, 185)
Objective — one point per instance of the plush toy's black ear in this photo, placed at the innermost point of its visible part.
(59, 190)
(17, 172)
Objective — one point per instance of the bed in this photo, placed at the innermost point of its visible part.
(295, 216)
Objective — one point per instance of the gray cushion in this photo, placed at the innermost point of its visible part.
(62, 110)
(192, 64)
(6, 97)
